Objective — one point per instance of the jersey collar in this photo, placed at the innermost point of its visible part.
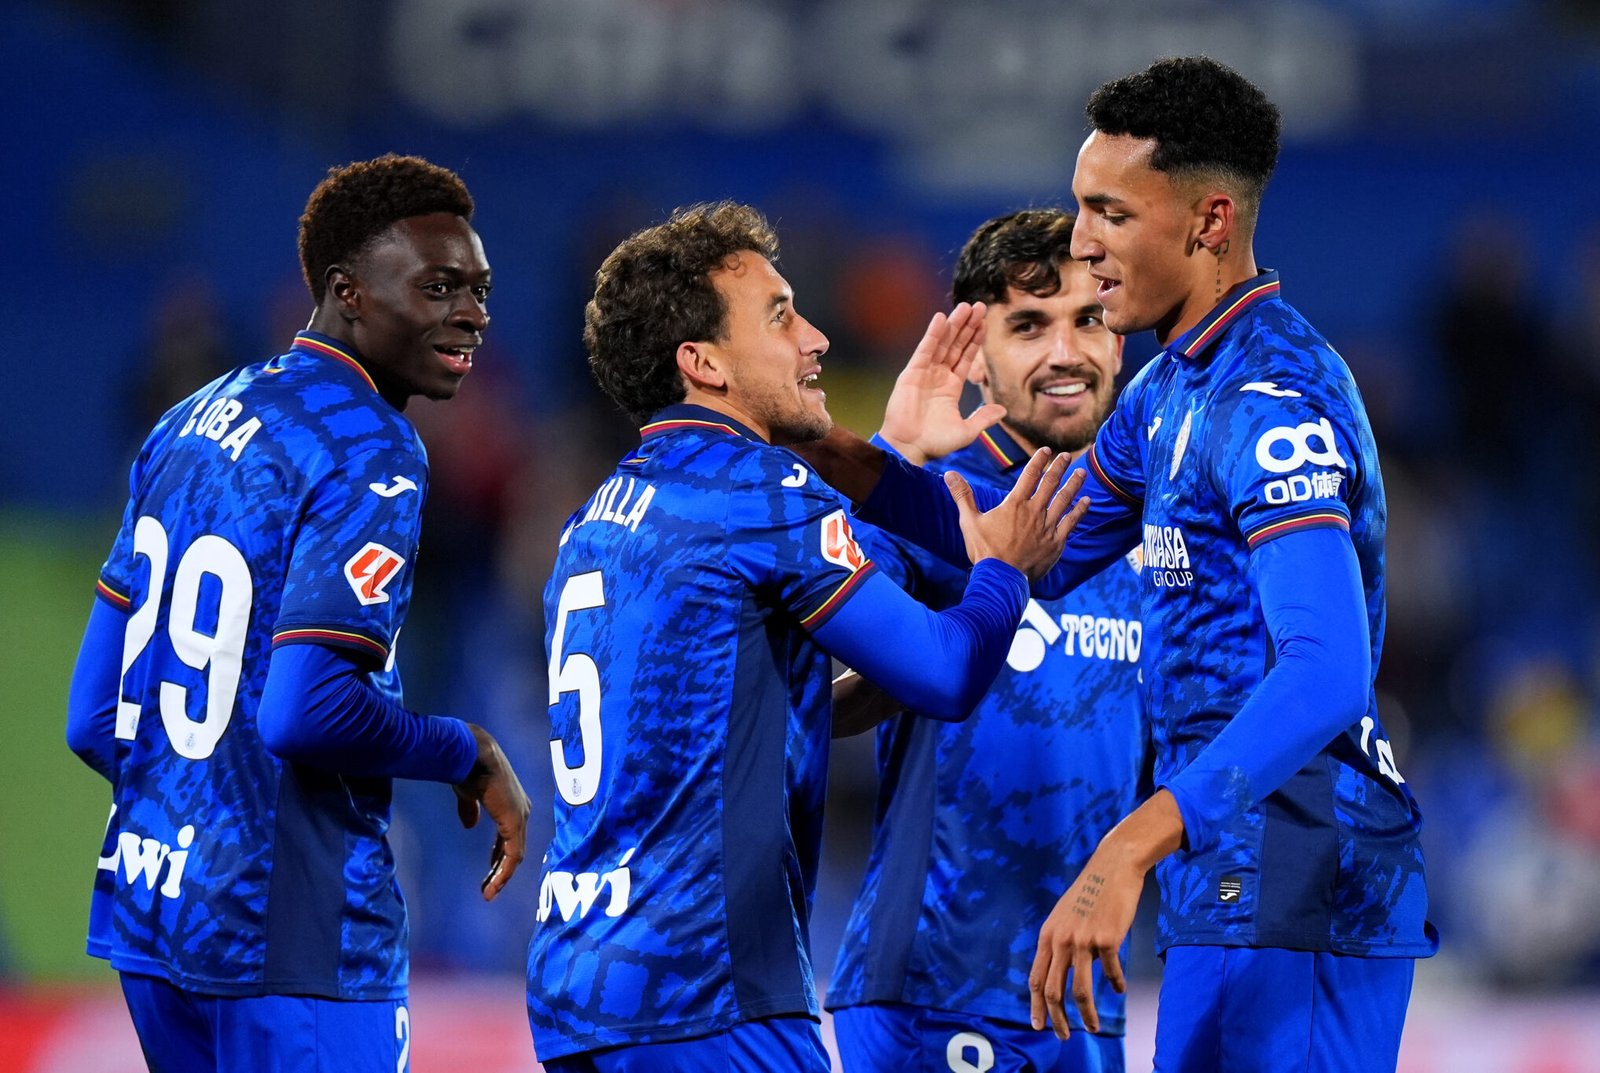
(328, 347)
(996, 445)
(1229, 310)
(685, 415)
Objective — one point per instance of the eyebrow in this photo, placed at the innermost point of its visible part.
(1100, 200)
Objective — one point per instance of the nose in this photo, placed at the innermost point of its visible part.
(812, 341)
(471, 313)
(1063, 348)
(1084, 246)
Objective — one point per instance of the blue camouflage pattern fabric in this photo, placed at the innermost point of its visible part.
(1248, 427)
(279, 504)
(980, 825)
(690, 720)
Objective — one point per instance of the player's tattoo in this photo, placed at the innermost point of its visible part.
(1089, 895)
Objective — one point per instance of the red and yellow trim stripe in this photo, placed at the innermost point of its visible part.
(343, 637)
(1093, 462)
(670, 426)
(319, 347)
(112, 596)
(995, 450)
(838, 596)
(1227, 316)
(1322, 519)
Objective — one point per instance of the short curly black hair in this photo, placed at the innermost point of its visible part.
(654, 292)
(1023, 249)
(1209, 123)
(359, 201)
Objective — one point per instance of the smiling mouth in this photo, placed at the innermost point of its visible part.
(457, 359)
(1064, 391)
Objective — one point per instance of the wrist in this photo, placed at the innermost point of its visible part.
(1147, 834)
(904, 448)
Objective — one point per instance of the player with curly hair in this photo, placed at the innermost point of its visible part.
(1241, 461)
(694, 604)
(237, 685)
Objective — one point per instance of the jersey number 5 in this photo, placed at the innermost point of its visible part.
(576, 673)
(218, 653)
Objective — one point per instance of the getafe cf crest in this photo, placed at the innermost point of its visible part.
(1182, 444)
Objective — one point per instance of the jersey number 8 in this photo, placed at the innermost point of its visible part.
(219, 654)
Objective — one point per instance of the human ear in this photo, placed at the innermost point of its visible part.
(701, 366)
(342, 290)
(1215, 217)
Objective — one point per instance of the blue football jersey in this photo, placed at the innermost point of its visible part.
(1246, 428)
(982, 824)
(279, 504)
(690, 720)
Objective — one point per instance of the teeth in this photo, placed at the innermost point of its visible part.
(1066, 389)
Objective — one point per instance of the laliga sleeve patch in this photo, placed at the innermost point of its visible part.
(839, 544)
(370, 570)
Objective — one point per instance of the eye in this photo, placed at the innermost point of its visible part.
(1028, 329)
(1091, 320)
(481, 292)
(438, 288)
(1114, 217)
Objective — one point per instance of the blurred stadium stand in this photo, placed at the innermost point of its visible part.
(1434, 214)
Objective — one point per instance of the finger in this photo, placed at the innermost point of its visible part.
(495, 881)
(1111, 965)
(1028, 480)
(1083, 988)
(966, 336)
(961, 492)
(1036, 978)
(467, 810)
(1065, 497)
(1055, 992)
(931, 344)
(1070, 520)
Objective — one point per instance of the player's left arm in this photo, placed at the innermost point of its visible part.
(92, 695)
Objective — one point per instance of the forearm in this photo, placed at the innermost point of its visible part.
(858, 705)
(934, 663)
(1311, 594)
(317, 710)
(93, 693)
(846, 461)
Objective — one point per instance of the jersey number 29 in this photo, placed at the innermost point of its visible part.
(219, 654)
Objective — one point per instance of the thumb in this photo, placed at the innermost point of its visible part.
(986, 416)
(467, 809)
(961, 492)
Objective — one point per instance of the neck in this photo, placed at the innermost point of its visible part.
(722, 404)
(1215, 275)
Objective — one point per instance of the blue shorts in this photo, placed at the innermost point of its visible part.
(768, 1045)
(181, 1032)
(1244, 1010)
(892, 1038)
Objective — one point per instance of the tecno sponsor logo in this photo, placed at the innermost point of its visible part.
(1082, 636)
(1166, 557)
(1324, 484)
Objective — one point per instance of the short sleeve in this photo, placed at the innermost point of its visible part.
(790, 536)
(350, 570)
(1287, 457)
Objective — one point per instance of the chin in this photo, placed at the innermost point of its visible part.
(810, 430)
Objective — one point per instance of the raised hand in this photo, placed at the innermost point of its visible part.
(492, 785)
(1029, 527)
(922, 419)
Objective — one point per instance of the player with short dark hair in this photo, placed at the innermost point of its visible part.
(981, 823)
(237, 683)
(1284, 836)
(694, 604)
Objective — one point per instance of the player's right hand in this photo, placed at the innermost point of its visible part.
(922, 419)
(1030, 526)
(494, 786)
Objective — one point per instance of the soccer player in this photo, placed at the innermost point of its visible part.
(980, 824)
(691, 613)
(1293, 900)
(236, 682)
